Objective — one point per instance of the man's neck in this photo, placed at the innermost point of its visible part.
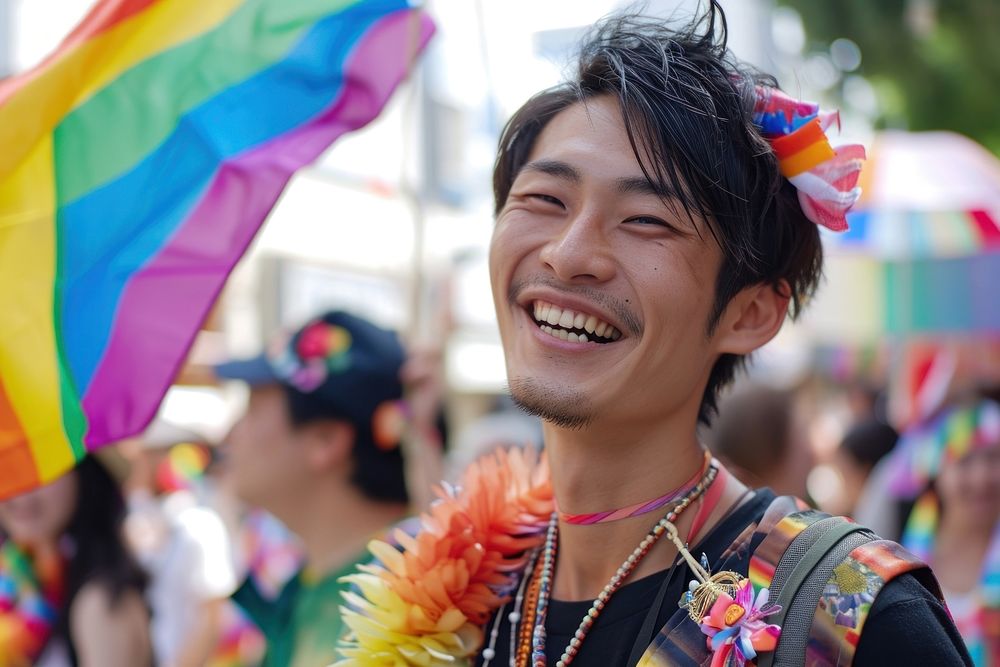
(606, 467)
(335, 522)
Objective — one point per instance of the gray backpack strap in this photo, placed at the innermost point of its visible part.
(799, 580)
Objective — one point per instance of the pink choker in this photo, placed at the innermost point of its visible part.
(639, 508)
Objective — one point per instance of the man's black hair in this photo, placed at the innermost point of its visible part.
(687, 105)
(378, 473)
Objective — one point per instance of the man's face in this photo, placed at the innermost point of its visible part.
(264, 460)
(583, 245)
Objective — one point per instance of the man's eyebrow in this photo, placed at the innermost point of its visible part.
(555, 168)
(625, 185)
(643, 186)
(640, 185)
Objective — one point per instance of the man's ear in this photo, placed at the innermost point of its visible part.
(752, 318)
(328, 443)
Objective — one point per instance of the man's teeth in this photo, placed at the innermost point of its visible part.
(566, 335)
(565, 318)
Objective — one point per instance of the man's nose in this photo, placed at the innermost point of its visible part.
(580, 251)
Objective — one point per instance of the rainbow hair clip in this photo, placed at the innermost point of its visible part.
(826, 178)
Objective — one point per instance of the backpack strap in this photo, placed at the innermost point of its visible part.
(825, 583)
(766, 566)
(802, 572)
(824, 571)
(851, 588)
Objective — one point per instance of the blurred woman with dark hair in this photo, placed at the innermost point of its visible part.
(950, 466)
(70, 592)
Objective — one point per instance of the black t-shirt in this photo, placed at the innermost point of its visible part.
(907, 625)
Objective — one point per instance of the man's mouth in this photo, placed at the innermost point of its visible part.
(572, 325)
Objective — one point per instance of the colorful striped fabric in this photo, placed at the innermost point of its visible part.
(768, 553)
(865, 298)
(138, 162)
(848, 597)
(922, 252)
(925, 194)
(893, 234)
(942, 295)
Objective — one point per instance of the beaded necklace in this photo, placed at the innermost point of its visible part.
(547, 575)
(523, 653)
(515, 615)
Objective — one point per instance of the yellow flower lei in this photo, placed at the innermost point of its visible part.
(427, 604)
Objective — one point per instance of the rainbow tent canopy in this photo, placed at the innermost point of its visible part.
(138, 162)
(922, 255)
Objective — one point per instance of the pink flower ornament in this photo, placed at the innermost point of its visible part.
(321, 349)
(736, 628)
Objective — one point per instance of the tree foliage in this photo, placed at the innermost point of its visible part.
(935, 64)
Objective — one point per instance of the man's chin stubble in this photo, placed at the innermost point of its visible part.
(566, 409)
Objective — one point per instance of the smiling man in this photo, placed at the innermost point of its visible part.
(645, 243)
(656, 220)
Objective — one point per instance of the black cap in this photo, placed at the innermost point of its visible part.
(340, 366)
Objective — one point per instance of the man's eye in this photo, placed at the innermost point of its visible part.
(648, 220)
(549, 199)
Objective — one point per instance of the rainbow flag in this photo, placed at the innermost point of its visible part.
(138, 162)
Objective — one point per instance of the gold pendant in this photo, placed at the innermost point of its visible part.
(707, 588)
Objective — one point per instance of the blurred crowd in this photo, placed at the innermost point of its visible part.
(178, 550)
(235, 546)
(174, 549)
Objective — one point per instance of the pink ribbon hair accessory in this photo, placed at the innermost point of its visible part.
(826, 178)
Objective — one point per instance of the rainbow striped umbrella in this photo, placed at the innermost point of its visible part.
(922, 255)
(138, 162)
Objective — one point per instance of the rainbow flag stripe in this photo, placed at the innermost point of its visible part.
(139, 161)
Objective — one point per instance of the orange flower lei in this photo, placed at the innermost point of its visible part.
(427, 604)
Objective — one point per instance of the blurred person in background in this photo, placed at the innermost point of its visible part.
(504, 427)
(863, 446)
(950, 466)
(761, 436)
(863, 400)
(71, 593)
(263, 548)
(180, 540)
(319, 448)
